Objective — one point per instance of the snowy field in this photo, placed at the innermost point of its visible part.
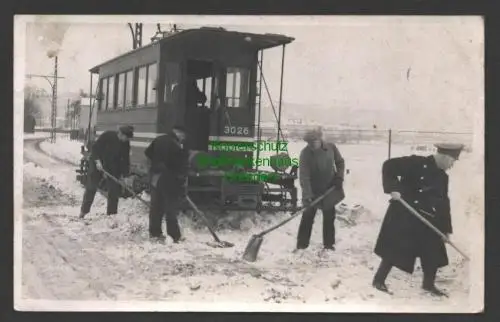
(103, 259)
(36, 135)
(64, 149)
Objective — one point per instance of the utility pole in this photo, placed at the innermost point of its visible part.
(390, 144)
(136, 35)
(68, 119)
(54, 104)
(53, 85)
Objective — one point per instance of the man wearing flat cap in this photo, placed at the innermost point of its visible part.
(422, 182)
(321, 166)
(110, 152)
(168, 158)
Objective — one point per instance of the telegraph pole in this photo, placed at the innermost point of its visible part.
(54, 104)
(68, 118)
(53, 85)
(136, 35)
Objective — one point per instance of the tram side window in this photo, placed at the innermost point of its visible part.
(104, 94)
(141, 86)
(111, 93)
(237, 87)
(172, 76)
(129, 89)
(120, 100)
(152, 73)
(146, 85)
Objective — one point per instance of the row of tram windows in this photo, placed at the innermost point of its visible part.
(137, 87)
(132, 88)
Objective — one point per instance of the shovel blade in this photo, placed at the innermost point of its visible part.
(252, 249)
(221, 244)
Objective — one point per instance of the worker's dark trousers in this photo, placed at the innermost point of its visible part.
(306, 224)
(385, 267)
(95, 176)
(164, 206)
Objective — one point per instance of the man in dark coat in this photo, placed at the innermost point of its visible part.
(423, 183)
(111, 152)
(168, 159)
(321, 166)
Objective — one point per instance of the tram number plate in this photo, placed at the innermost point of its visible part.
(237, 130)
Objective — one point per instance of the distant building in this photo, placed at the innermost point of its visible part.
(83, 122)
(29, 124)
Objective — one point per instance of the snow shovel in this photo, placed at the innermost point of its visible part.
(134, 195)
(437, 231)
(218, 243)
(253, 246)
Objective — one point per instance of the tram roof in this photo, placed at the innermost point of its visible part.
(209, 35)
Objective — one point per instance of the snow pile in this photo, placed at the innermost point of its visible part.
(63, 149)
(61, 180)
(36, 135)
(40, 188)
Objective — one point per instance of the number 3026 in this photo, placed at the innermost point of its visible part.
(236, 130)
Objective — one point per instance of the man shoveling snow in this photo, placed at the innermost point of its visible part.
(423, 183)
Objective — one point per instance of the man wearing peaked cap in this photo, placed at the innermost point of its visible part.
(110, 152)
(423, 183)
(451, 149)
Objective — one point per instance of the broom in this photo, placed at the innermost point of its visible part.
(253, 246)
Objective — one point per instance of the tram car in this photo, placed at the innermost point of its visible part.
(208, 80)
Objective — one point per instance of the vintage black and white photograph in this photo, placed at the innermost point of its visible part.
(249, 163)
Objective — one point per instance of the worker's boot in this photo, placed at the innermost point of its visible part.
(434, 291)
(179, 240)
(380, 276)
(158, 238)
(428, 283)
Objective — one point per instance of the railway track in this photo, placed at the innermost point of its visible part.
(58, 253)
(35, 146)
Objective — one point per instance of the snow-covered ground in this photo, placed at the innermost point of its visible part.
(63, 149)
(104, 259)
(36, 135)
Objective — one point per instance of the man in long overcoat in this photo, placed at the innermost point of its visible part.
(169, 166)
(423, 183)
(111, 152)
(321, 166)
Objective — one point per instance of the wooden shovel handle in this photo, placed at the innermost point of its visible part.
(126, 187)
(426, 222)
(296, 213)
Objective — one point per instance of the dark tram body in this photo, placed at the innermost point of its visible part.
(207, 80)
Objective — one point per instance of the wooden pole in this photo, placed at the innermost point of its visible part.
(390, 144)
(281, 93)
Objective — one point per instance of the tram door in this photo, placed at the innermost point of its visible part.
(199, 103)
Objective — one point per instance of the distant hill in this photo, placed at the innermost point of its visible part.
(341, 117)
(293, 113)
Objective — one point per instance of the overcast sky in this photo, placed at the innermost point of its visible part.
(428, 70)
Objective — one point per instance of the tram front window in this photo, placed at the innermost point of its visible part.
(237, 87)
